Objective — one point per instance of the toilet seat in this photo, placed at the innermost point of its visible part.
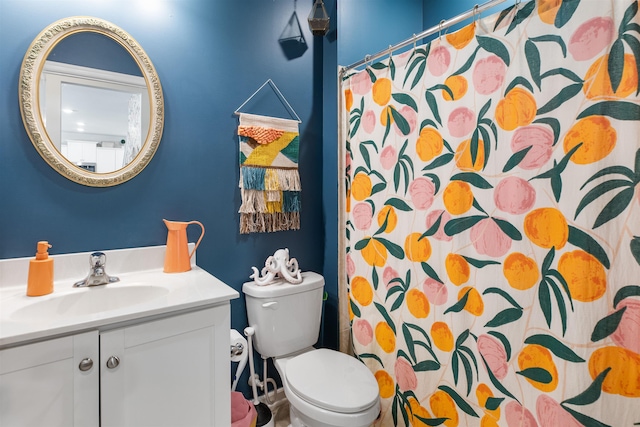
(332, 380)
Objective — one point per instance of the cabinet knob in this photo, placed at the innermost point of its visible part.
(113, 362)
(85, 364)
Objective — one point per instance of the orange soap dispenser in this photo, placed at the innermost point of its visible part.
(40, 279)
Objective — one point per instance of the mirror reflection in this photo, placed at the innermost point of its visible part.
(94, 102)
(91, 101)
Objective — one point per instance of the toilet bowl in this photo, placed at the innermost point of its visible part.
(325, 388)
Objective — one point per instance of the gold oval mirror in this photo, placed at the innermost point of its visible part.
(91, 101)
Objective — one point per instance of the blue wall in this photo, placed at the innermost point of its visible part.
(210, 57)
(367, 27)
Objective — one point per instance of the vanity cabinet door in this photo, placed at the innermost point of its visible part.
(51, 383)
(169, 372)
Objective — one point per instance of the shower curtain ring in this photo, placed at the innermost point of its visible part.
(440, 30)
(517, 3)
(367, 59)
(475, 11)
(415, 40)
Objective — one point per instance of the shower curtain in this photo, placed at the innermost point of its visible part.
(492, 220)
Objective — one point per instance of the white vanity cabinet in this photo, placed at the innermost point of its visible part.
(171, 371)
(168, 372)
(41, 383)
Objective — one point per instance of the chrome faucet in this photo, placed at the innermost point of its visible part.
(97, 274)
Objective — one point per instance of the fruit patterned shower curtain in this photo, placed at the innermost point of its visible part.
(492, 218)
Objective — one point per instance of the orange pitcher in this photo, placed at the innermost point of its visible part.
(177, 259)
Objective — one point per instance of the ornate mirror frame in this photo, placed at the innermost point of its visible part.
(29, 89)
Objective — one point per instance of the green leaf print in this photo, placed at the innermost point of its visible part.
(496, 383)
(426, 365)
(431, 421)
(539, 375)
(372, 75)
(554, 39)
(615, 65)
(442, 87)
(439, 161)
(555, 173)
(371, 356)
(607, 325)
(355, 309)
(567, 8)
(615, 207)
(393, 249)
(408, 339)
(618, 203)
(591, 394)
(516, 158)
(502, 16)
(493, 403)
(385, 315)
(433, 229)
(467, 64)
(398, 204)
(462, 404)
(494, 46)
(365, 155)
(587, 243)
(504, 317)
(585, 420)
(521, 15)
(619, 110)
(544, 298)
(627, 291)
(634, 44)
(533, 60)
(405, 99)
(459, 306)
(433, 105)
(504, 295)
(430, 272)
(400, 121)
(360, 245)
(555, 346)
(458, 225)
(479, 263)
(518, 81)
(563, 96)
(562, 72)
(508, 229)
(418, 59)
(473, 179)
(628, 15)
(504, 341)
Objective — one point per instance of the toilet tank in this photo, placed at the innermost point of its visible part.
(286, 317)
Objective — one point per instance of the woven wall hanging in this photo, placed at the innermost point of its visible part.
(269, 179)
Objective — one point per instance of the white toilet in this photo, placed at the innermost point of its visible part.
(325, 388)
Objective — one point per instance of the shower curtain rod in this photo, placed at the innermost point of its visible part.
(477, 9)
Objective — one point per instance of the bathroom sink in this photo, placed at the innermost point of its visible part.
(88, 301)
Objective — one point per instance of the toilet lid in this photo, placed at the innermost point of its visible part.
(332, 380)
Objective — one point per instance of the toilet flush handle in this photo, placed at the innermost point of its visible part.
(273, 305)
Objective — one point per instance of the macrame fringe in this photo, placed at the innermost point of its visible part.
(252, 201)
(269, 222)
(289, 179)
(273, 196)
(291, 201)
(269, 179)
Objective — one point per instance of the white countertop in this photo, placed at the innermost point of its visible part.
(136, 268)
